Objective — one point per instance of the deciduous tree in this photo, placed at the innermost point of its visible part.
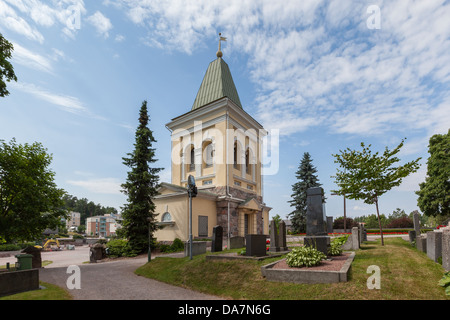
(363, 175)
(30, 201)
(6, 68)
(434, 193)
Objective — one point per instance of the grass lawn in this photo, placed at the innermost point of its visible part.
(405, 274)
(51, 292)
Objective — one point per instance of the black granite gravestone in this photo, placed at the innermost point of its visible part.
(217, 239)
(255, 245)
(316, 221)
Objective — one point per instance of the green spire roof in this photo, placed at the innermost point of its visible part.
(217, 83)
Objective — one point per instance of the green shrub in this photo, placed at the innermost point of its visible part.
(176, 246)
(120, 248)
(336, 244)
(10, 247)
(445, 282)
(304, 257)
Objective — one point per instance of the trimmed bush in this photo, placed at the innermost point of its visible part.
(120, 248)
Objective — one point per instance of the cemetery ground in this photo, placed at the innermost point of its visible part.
(406, 274)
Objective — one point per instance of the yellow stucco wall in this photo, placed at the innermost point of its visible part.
(217, 134)
(178, 207)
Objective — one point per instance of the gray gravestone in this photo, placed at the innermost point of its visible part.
(237, 242)
(198, 247)
(255, 245)
(330, 224)
(434, 245)
(446, 250)
(274, 238)
(217, 239)
(421, 242)
(282, 236)
(412, 236)
(355, 238)
(316, 221)
(416, 223)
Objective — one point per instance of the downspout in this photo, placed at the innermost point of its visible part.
(228, 190)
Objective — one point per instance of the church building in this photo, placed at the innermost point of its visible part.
(220, 145)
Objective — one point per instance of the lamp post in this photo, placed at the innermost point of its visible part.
(192, 192)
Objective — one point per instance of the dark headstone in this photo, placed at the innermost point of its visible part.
(316, 221)
(217, 239)
(321, 243)
(416, 220)
(255, 245)
(36, 261)
(274, 238)
(97, 252)
(282, 236)
(412, 236)
(237, 242)
(329, 224)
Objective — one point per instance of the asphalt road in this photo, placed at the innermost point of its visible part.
(116, 281)
(113, 280)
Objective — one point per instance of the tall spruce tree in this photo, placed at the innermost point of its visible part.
(140, 187)
(306, 175)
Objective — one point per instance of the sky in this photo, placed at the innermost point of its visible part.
(327, 75)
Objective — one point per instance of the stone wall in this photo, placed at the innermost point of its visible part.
(18, 281)
(222, 210)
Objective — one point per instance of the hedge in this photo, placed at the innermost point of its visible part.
(396, 230)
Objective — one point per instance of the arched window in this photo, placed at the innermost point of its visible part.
(235, 156)
(209, 155)
(192, 159)
(166, 217)
(248, 168)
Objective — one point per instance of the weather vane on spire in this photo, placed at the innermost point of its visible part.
(219, 53)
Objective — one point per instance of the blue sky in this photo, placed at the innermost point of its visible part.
(327, 74)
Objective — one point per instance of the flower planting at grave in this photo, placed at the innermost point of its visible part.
(445, 282)
(304, 257)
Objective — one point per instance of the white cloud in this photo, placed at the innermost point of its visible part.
(30, 59)
(66, 14)
(101, 186)
(119, 38)
(101, 23)
(316, 63)
(10, 20)
(65, 102)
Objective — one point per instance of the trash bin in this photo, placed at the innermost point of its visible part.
(24, 261)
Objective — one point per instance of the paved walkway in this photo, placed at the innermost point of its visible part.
(116, 281)
(112, 280)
